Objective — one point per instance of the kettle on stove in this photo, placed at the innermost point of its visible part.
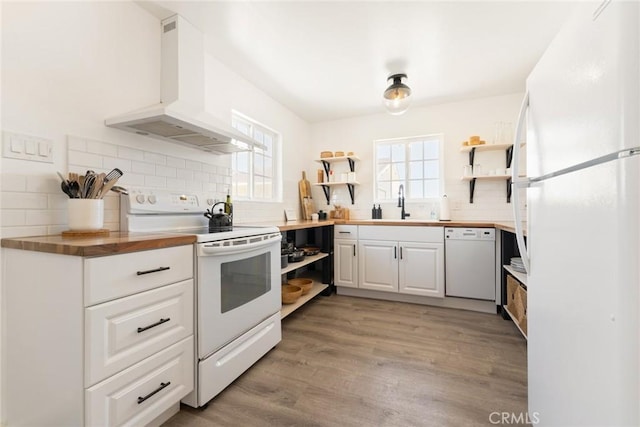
(220, 221)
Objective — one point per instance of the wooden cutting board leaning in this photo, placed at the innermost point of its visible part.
(306, 202)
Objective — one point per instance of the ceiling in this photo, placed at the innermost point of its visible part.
(330, 60)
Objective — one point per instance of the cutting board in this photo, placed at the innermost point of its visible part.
(306, 203)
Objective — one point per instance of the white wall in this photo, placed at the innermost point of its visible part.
(69, 65)
(66, 66)
(227, 91)
(457, 121)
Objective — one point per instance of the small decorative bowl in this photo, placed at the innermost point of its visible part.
(304, 284)
(290, 294)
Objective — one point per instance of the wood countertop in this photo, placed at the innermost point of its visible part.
(123, 242)
(302, 224)
(115, 243)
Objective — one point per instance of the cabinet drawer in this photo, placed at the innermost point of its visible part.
(159, 381)
(115, 276)
(345, 232)
(425, 234)
(123, 332)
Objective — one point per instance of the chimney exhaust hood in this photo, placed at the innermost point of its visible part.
(180, 116)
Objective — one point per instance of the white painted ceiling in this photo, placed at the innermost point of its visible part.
(329, 60)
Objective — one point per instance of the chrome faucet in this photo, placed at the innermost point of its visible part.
(403, 214)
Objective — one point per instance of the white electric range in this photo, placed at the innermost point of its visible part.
(237, 277)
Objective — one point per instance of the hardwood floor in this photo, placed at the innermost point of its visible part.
(347, 361)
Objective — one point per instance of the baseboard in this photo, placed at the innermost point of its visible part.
(448, 302)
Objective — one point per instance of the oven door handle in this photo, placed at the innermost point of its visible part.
(205, 250)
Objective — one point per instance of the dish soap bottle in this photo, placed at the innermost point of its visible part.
(379, 212)
(374, 212)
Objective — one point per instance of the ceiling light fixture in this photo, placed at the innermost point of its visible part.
(397, 97)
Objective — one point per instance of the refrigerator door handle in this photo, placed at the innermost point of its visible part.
(621, 154)
(515, 183)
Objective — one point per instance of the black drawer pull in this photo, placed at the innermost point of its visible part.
(155, 270)
(344, 232)
(162, 385)
(158, 323)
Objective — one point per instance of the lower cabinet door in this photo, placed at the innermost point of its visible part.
(345, 263)
(378, 265)
(137, 395)
(422, 269)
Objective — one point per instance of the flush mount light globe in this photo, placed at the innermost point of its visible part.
(397, 97)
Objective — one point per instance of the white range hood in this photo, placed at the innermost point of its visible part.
(180, 116)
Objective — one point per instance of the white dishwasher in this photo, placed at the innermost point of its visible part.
(470, 263)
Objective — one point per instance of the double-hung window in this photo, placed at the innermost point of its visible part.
(255, 174)
(415, 162)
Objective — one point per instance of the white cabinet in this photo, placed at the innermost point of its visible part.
(96, 341)
(421, 268)
(413, 265)
(345, 258)
(378, 264)
(122, 332)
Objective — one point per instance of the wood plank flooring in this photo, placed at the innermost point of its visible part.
(346, 361)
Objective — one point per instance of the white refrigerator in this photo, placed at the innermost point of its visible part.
(582, 120)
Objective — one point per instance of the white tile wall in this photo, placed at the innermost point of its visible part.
(33, 204)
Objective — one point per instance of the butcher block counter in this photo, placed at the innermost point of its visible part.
(302, 224)
(124, 242)
(115, 243)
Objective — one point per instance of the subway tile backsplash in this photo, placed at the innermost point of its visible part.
(33, 204)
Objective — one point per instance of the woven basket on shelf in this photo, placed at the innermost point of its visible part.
(514, 303)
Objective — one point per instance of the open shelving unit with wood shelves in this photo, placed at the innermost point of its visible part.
(319, 266)
(318, 287)
(510, 280)
(326, 186)
(472, 149)
(519, 276)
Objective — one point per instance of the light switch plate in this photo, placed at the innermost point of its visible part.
(27, 147)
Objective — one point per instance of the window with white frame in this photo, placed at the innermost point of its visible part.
(255, 174)
(413, 162)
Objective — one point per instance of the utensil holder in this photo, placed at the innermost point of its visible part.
(86, 214)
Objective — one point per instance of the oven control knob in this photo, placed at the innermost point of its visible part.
(140, 198)
(209, 201)
(152, 199)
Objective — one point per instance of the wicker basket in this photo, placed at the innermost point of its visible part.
(290, 294)
(514, 303)
(517, 303)
(521, 300)
(305, 284)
